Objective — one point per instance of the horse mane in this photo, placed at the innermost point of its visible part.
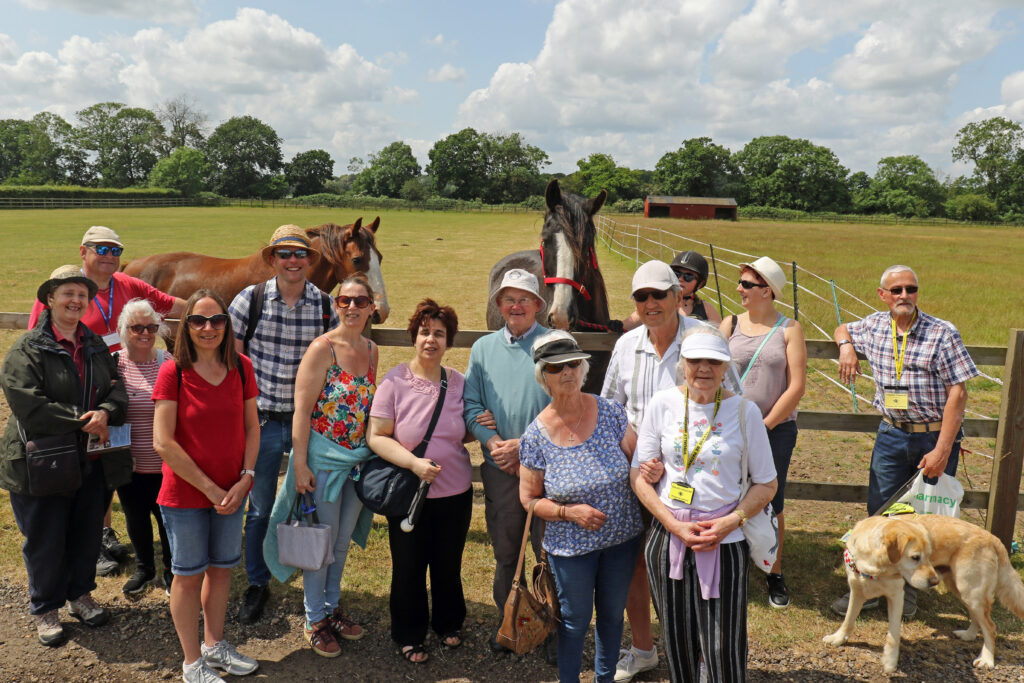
(333, 239)
(575, 222)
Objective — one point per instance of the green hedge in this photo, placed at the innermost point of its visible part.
(77, 192)
(429, 204)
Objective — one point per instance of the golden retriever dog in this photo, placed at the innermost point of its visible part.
(882, 554)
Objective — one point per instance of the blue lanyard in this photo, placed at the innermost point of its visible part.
(110, 306)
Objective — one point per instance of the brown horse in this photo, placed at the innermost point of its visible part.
(344, 250)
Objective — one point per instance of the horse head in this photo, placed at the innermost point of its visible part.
(347, 250)
(568, 260)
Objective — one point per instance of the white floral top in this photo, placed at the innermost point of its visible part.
(595, 472)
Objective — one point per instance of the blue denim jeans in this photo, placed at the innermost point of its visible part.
(275, 441)
(321, 589)
(201, 538)
(598, 579)
(895, 457)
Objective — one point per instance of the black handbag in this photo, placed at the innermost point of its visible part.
(53, 464)
(387, 489)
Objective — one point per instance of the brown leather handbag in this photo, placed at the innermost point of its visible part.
(529, 617)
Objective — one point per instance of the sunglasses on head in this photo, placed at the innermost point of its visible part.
(555, 368)
(710, 361)
(104, 249)
(897, 291)
(361, 301)
(139, 329)
(747, 284)
(285, 254)
(685, 275)
(198, 322)
(658, 295)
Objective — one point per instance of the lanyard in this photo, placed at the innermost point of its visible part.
(897, 356)
(757, 353)
(691, 456)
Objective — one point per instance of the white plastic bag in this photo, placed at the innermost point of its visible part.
(762, 530)
(941, 498)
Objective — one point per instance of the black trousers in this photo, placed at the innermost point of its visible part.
(436, 542)
(62, 541)
(138, 500)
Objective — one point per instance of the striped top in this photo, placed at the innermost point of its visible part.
(139, 379)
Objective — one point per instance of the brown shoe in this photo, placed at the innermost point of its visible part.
(343, 625)
(321, 639)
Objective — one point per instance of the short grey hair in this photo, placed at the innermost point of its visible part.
(892, 270)
(136, 309)
(538, 367)
(702, 328)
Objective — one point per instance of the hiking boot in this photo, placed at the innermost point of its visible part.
(51, 633)
(88, 612)
(137, 584)
(117, 550)
(343, 626)
(253, 601)
(909, 601)
(842, 604)
(634, 661)
(321, 638)
(778, 596)
(225, 657)
(106, 564)
(199, 672)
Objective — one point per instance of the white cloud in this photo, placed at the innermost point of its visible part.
(8, 48)
(446, 74)
(440, 41)
(174, 11)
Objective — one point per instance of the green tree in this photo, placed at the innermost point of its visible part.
(971, 207)
(699, 168)
(413, 190)
(185, 170)
(599, 172)
(458, 165)
(125, 142)
(513, 169)
(14, 134)
(792, 174)
(307, 172)
(906, 186)
(245, 154)
(994, 147)
(388, 170)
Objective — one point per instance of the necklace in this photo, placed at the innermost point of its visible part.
(572, 432)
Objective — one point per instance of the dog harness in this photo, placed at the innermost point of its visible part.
(848, 559)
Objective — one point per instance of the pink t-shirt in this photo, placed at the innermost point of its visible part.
(409, 401)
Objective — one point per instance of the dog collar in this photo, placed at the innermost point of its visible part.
(848, 559)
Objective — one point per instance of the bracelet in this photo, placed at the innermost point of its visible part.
(561, 512)
(251, 473)
(742, 515)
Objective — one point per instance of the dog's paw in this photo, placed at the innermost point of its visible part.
(966, 634)
(985, 662)
(837, 638)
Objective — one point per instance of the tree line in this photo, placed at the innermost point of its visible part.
(112, 145)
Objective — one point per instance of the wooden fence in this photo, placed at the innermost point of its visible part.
(1003, 498)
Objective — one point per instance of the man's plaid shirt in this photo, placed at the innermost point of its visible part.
(935, 358)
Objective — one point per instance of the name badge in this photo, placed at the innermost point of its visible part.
(897, 400)
(681, 492)
(112, 339)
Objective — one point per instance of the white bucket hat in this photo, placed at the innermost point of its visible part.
(770, 272)
(517, 278)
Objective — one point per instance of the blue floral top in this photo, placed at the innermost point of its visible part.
(595, 472)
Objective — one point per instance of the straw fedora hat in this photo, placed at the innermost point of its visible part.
(293, 236)
(62, 276)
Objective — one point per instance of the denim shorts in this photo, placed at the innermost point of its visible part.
(201, 538)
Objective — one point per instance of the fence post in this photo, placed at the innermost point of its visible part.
(796, 307)
(718, 289)
(1009, 455)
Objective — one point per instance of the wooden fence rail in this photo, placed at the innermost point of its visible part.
(1003, 498)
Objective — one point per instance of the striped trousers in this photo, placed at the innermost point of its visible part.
(692, 626)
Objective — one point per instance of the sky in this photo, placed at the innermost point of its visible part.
(866, 78)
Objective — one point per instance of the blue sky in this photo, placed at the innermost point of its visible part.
(866, 78)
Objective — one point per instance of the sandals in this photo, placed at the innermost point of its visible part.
(454, 635)
(412, 651)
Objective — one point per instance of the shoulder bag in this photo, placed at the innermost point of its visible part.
(53, 463)
(529, 617)
(304, 545)
(762, 529)
(387, 489)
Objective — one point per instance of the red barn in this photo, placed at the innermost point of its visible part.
(690, 207)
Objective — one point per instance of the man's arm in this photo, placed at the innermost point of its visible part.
(849, 365)
(177, 309)
(934, 462)
(473, 399)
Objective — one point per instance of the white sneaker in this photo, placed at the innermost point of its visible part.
(199, 672)
(634, 661)
(225, 657)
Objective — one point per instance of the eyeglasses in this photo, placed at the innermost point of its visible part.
(104, 249)
(714, 362)
(747, 284)
(685, 275)
(509, 301)
(198, 322)
(151, 328)
(657, 294)
(555, 368)
(285, 254)
(361, 301)
(898, 291)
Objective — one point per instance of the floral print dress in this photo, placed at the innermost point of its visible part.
(343, 406)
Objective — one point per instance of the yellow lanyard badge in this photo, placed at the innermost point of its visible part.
(692, 455)
(898, 399)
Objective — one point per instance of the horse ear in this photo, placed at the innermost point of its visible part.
(553, 194)
(592, 206)
(374, 225)
(353, 230)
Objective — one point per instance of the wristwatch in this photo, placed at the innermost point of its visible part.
(742, 515)
(843, 341)
(251, 473)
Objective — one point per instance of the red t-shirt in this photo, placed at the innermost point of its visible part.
(125, 288)
(210, 428)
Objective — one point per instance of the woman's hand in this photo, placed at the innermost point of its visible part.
(711, 532)
(652, 470)
(585, 516)
(305, 480)
(234, 497)
(425, 469)
(97, 424)
(486, 419)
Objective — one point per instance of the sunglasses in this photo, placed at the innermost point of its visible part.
(139, 329)
(685, 275)
(747, 284)
(104, 249)
(555, 368)
(658, 295)
(897, 291)
(361, 301)
(285, 254)
(198, 322)
(710, 361)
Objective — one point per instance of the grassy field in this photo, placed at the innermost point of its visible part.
(971, 276)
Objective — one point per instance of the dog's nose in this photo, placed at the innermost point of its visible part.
(933, 580)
